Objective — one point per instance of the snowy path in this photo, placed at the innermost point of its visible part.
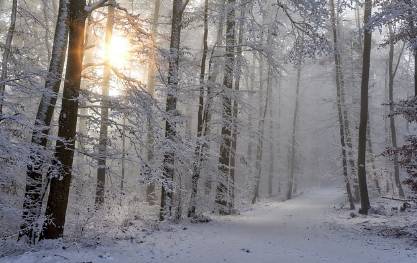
(299, 230)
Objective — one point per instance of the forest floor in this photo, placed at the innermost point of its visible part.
(308, 229)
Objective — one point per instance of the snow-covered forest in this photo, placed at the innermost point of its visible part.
(208, 131)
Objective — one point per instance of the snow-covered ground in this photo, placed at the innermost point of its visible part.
(306, 229)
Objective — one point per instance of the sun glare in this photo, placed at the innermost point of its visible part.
(119, 51)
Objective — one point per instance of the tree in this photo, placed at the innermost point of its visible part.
(32, 203)
(225, 186)
(403, 13)
(291, 174)
(391, 75)
(263, 105)
(105, 105)
(60, 180)
(342, 116)
(171, 109)
(365, 205)
(200, 118)
(150, 190)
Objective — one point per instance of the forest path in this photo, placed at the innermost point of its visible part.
(299, 230)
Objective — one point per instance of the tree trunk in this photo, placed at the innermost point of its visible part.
(215, 67)
(343, 117)
(61, 178)
(200, 118)
(32, 202)
(271, 148)
(293, 133)
(272, 140)
(105, 105)
(391, 75)
(225, 186)
(6, 54)
(372, 157)
(150, 189)
(171, 110)
(364, 111)
(238, 70)
(263, 109)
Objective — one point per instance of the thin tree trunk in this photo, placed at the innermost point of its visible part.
(391, 75)
(32, 202)
(150, 189)
(215, 67)
(250, 114)
(225, 185)
(364, 111)
(60, 184)
(200, 118)
(235, 113)
(293, 134)
(105, 105)
(6, 54)
(263, 107)
(122, 180)
(271, 148)
(343, 117)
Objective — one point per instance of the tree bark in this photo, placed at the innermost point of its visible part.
(261, 123)
(364, 110)
(61, 179)
(171, 110)
(32, 202)
(225, 186)
(200, 118)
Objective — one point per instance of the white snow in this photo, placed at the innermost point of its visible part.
(305, 229)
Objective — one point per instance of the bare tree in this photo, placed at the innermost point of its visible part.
(225, 186)
(150, 189)
(364, 110)
(171, 108)
(57, 203)
(32, 203)
(200, 117)
(391, 75)
(339, 87)
(105, 105)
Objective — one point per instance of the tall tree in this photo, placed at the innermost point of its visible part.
(150, 189)
(200, 117)
(238, 77)
(60, 181)
(342, 116)
(171, 108)
(291, 174)
(32, 202)
(391, 75)
(105, 105)
(366, 63)
(225, 185)
(263, 109)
